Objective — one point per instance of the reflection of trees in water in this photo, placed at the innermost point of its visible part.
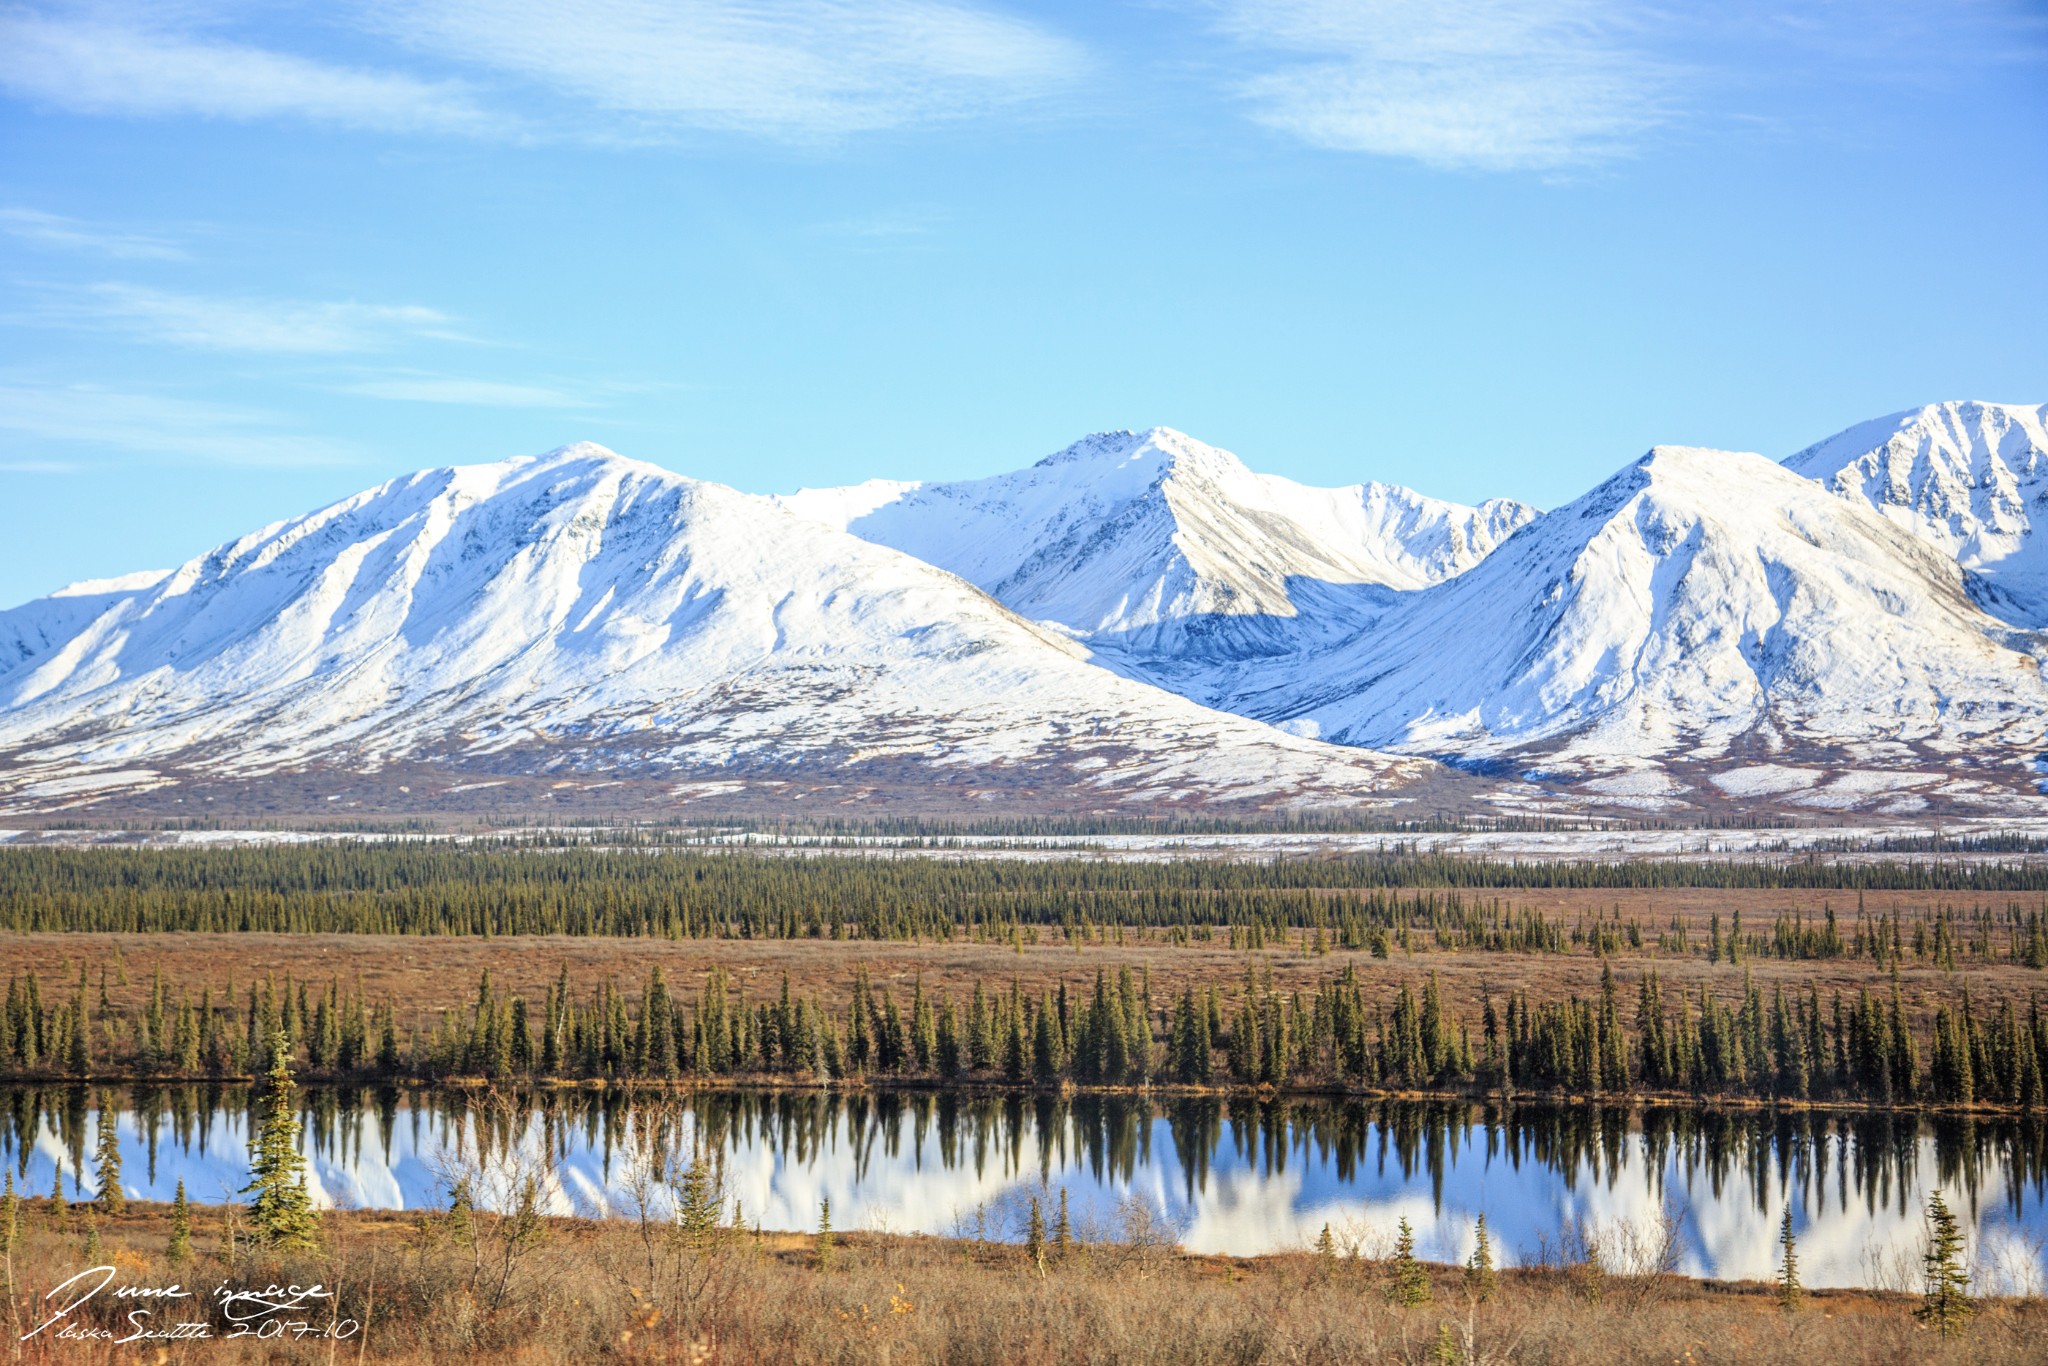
(1823, 1159)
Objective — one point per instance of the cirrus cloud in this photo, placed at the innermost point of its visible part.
(1481, 84)
(159, 425)
(259, 325)
(68, 234)
(130, 63)
(607, 71)
(793, 69)
(482, 393)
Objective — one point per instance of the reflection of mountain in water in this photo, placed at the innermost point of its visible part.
(1238, 1176)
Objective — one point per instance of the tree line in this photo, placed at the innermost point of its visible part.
(1404, 899)
(1872, 1047)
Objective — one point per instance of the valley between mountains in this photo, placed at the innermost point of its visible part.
(1137, 624)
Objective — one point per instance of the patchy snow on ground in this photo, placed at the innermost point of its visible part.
(1645, 782)
(697, 792)
(1765, 780)
(1546, 845)
(1865, 787)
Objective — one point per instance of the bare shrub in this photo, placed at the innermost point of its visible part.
(501, 1186)
(1641, 1259)
(1142, 1238)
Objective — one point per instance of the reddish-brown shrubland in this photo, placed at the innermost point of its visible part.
(433, 1288)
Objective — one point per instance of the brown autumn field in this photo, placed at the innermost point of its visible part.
(449, 1287)
(425, 974)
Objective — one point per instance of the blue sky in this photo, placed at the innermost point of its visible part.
(254, 257)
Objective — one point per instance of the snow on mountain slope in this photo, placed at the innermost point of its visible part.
(1694, 601)
(578, 608)
(1968, 477)
(1158, 546)
(39, 626)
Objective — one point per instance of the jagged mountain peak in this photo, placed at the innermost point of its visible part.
(1696, 601)
(1967, 433)
(1154, 446)
(1158, 548)
(584, 612)
(119, 583)
(1699, 612)
(1964, 476)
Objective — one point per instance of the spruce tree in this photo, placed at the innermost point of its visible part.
(282, 1215)
(179, 1249)
(1790, 1292)
(822, 1255)
(106, 1156)
(387, 1045)
(1479, 1273)
(10, 1218)
(702, 1198)
(1945, 1302)
(1045, 1047)
(462, 1214)
(1062, 1229)
(924, 1031)
(1016, 1052)
(77, 1053)
(951, 1057)
(1407, 1278)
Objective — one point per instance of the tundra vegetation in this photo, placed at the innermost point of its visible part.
(1703, 1002)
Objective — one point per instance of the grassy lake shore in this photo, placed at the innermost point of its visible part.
(465, 1286)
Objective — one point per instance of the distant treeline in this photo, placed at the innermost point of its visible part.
(700, 825)
(510, 888)
(1113, 1031)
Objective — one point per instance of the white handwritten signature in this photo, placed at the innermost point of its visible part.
(248, 1312)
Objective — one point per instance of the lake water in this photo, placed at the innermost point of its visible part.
(1237, 1177)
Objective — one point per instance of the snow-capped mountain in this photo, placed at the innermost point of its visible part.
(1702, 627)
(1700, 605)
(583, 613)
(1968, 477)
(1160, 550)
(42, 626)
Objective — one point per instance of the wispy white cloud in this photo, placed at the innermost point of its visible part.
(68, 234)
(884, 226)
(604, 70)
(266, 326)
(483, 393)
(793, 69)
(37, 467)
(159, 425)
(1484, 84)
(134, 61)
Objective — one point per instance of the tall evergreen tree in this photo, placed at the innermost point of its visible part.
(1407, 1278)
(1480, 1277)
(1790, 1292)
(179, 1249)
(106, 1157)
(823, 1250)
(1945, 1299)
(282, 1214)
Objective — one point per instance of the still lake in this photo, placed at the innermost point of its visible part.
(1239, 1177)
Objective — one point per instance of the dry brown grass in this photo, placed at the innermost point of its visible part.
(588, 1291)
(427, 974)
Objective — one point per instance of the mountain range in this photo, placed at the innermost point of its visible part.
(1136, 623)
